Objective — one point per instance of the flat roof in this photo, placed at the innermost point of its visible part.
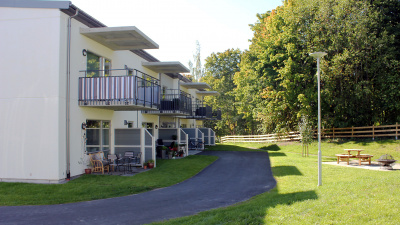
(35, 4)
(70, 9)
(196, 85)
(207, 93)
(166, 67)
(120, 38)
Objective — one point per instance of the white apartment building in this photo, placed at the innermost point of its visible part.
(70, 85)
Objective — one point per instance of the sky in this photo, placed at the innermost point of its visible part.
(176, 25)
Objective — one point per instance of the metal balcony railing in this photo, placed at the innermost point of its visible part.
(131, 90)
(174, 100)
(202, 111)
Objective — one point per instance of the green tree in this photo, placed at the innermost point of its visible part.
(277, 79)
(220, 69)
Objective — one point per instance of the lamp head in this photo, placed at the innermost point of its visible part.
(317, 55)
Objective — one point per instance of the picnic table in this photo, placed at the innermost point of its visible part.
(361, 157)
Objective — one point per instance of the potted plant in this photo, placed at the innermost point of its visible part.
(175, 147)
(150, 164)
(88, 163)
(88, 170)
(170, 153)
(145, 166)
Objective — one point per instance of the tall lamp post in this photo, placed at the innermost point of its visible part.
(318, 56)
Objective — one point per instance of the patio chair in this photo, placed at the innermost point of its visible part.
(113, 161)
(135, 161)
(129, 160)
(98, 162)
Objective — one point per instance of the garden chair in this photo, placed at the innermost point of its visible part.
(98, 162)
(135, 161)
(113, 161)
(129, 160)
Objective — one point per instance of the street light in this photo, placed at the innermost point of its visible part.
(318, 56)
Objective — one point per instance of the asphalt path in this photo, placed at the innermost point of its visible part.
(234, 177)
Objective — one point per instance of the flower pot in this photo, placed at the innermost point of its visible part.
(88, 171)
(145, 167)
(150, 165)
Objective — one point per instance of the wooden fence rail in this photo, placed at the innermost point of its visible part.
(349, 132)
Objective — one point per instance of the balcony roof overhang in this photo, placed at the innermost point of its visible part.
(120, 38)
(118, 107)
(198, 85)
(36, 4)
(207, 93)
(166, 67)
(173, 113)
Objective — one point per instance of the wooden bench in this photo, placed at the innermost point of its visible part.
(344, 157)
(364, 158)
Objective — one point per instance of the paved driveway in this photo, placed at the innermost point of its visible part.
(234, 177)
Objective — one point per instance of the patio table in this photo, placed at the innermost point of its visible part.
(354, 150)
(361, 157)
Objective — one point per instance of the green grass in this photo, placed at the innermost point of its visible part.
(328, 147)
(91, 187)
(347, 196)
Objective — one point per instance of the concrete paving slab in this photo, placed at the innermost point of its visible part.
(354, 164)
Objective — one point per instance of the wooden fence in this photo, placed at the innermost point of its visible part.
(291, 136)
(349, 132)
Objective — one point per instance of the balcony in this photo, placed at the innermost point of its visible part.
(119, 90)
(173, 102)
(201, 111)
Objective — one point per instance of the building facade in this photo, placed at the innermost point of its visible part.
(70, 85)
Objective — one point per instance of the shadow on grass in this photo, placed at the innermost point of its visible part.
(290, 198)
(273, 147)
(273, 154)
(281, 171)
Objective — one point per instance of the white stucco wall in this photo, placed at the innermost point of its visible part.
(80, 114)
(29, 95)
(33, 95)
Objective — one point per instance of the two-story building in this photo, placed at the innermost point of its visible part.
(71, 85)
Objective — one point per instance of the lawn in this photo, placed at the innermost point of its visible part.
(347, 196)
(91, 187)
(328, 147)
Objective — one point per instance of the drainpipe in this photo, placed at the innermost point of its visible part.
(180, 99)
(68, 97)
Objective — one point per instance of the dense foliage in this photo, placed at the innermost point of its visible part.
(277, 85)
(220, 69)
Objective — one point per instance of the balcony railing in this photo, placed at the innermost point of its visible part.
(174, 102)
(132, 91)
(202, 111)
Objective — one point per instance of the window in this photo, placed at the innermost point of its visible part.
(164, 91)
(147, 125)
(130, 124)
(97, 66)
(98, 135)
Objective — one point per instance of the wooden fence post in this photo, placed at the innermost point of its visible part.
(333, 133)
(373, 132)
(352, 131)
(397, 129)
